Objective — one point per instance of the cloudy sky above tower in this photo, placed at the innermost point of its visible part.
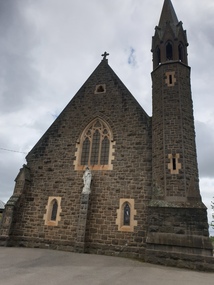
(48, 48)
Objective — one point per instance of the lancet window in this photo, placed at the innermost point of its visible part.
(54, 210)
(158, 55)
(181, 52)
(169, 51)
(126, 213)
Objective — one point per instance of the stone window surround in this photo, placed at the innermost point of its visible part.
(98, 86)
(77, 161)
(170, 164)
(170, 78)
(49, 208)
(120, 216)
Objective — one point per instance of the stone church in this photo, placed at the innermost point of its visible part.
(114, 180)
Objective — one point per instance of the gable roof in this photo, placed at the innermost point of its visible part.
(103, 74)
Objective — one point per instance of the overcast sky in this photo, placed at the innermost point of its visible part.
(48, 48)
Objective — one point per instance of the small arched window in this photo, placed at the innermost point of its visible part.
(54, 210)
(126, 215)
(95, 147)
(169, 51)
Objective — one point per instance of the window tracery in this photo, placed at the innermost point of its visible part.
(96, 147)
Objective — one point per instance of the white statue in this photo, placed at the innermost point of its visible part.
(87, 176)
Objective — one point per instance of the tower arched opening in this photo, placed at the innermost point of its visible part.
(169, 51)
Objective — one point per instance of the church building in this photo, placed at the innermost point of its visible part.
(107, 178)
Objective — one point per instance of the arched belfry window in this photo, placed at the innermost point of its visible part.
(158, 55)
(169, 51)
(95, 148)
(181, 52)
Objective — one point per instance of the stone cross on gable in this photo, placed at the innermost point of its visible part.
(105, 54)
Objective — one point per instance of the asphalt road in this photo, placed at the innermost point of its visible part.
(25, 266)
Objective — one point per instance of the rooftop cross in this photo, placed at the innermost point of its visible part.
(105, 55)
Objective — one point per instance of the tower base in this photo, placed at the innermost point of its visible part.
(179, 237)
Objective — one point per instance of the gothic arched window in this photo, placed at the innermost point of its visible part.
(126, 215)
(169, 51)
(158, 55)
(95, 147)
(54, 210)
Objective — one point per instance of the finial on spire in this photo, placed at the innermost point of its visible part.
(105, 54)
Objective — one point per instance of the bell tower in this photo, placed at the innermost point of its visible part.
(175, 171)
(177, 222)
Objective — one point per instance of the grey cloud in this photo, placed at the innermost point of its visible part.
(205, 143)
(49, 48)
(17, 76)
(132, 57)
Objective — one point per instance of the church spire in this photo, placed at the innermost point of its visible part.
(168, 15)
(169, 42)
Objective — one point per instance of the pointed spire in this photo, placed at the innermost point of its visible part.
(170, 40)
(168, 14)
